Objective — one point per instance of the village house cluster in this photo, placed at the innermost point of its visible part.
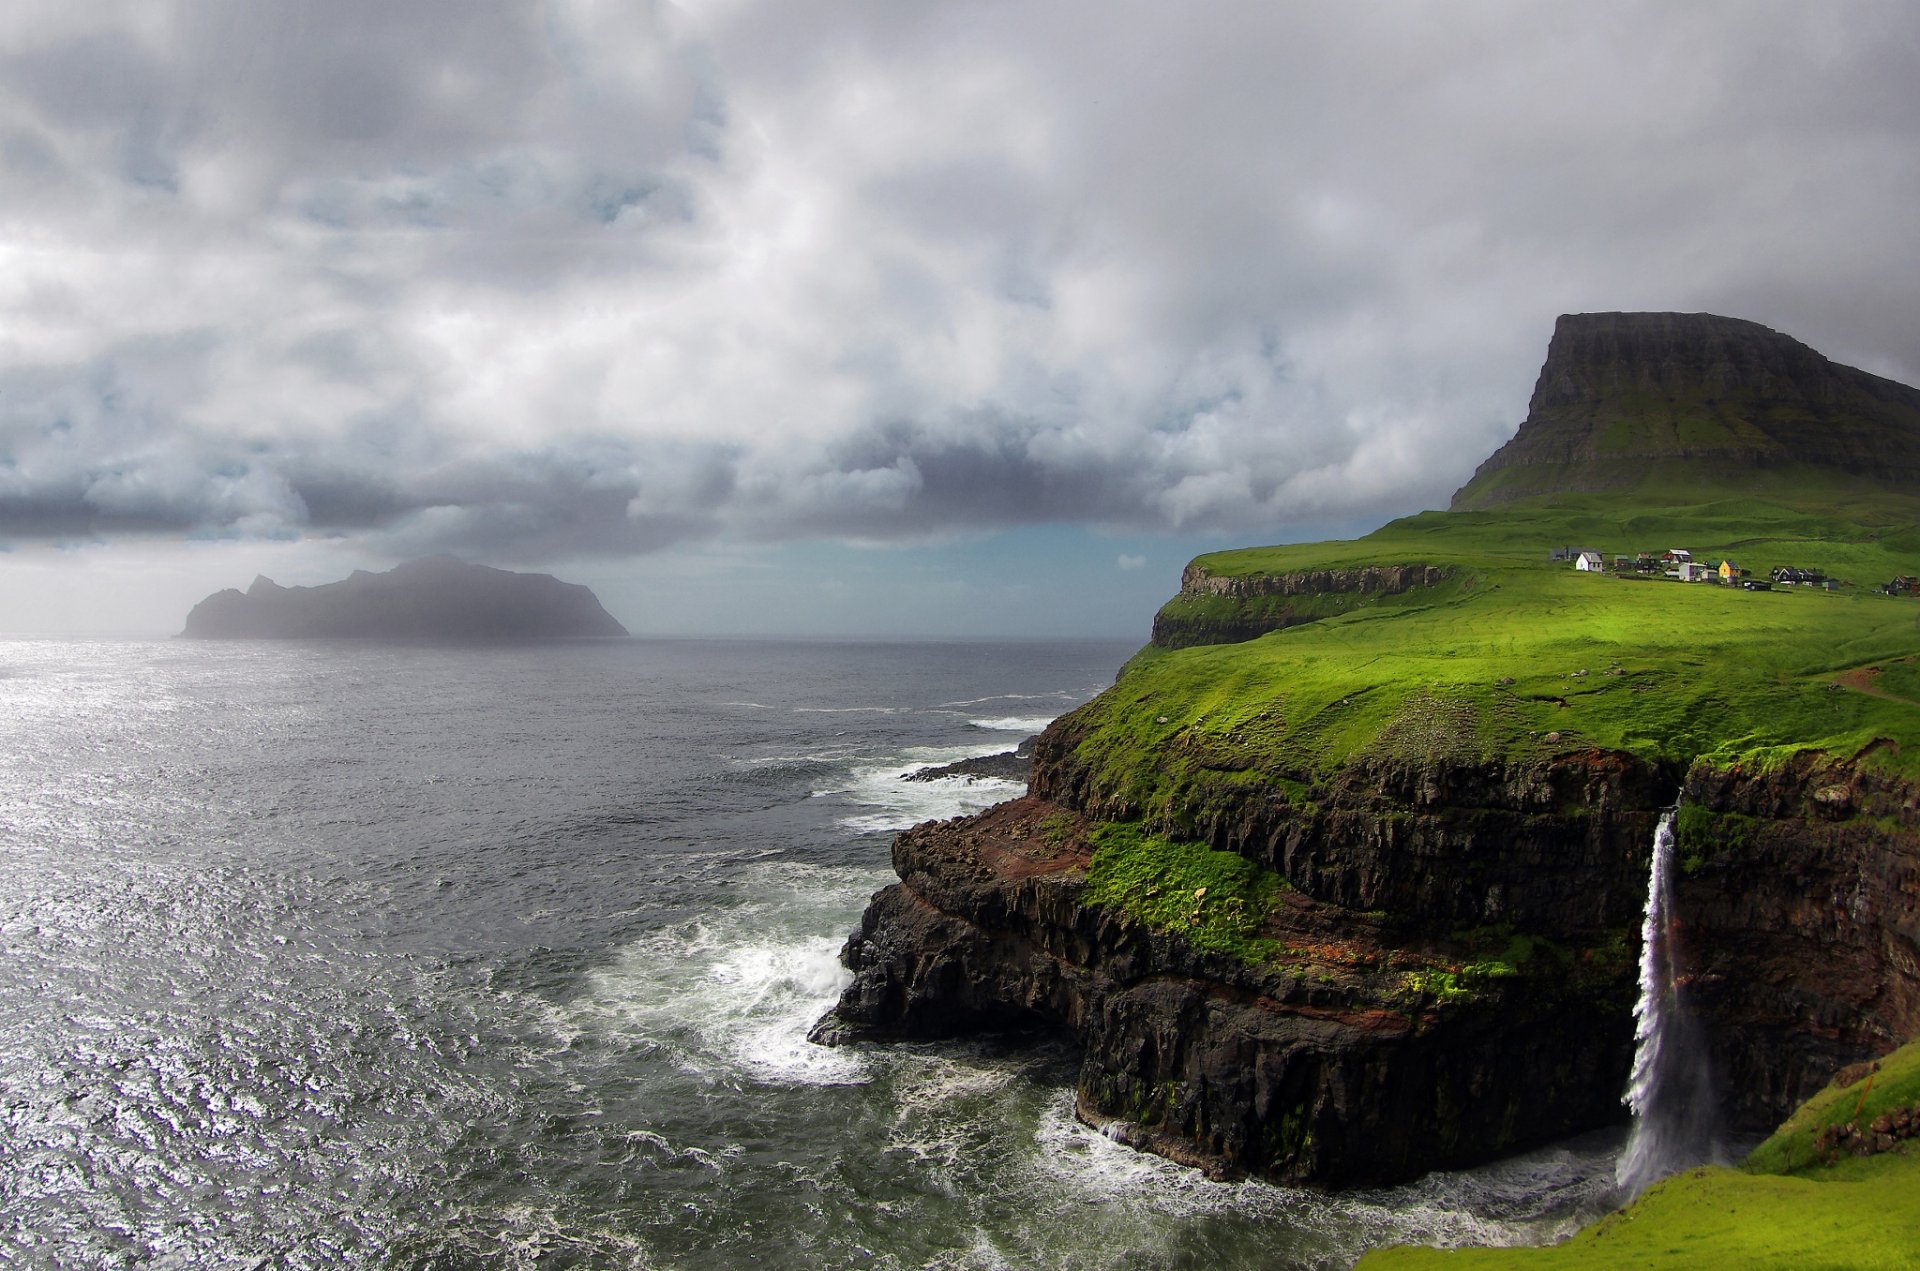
(1678, 563)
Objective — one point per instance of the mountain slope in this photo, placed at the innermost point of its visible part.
(1672, 402)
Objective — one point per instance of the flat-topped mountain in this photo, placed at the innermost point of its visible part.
(1652, 401)
(433, 598)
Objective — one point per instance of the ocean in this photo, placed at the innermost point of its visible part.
(346, 955)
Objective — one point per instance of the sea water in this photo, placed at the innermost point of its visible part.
(344, 955)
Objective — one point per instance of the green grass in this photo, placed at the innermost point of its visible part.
(1215, 900)
(1717, 1218)
(1517, 658)
(1782, 1209)
(1791, 1148)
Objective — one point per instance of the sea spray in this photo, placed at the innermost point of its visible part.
(1671, 1090)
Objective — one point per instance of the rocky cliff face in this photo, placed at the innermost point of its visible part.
(1625, 396)
(1343, 1063)
(435, 598)
(1801, 899)
(1438, 963)
(1383, 1042)
(1260, 603)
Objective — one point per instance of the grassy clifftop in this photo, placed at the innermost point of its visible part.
(1517, 657)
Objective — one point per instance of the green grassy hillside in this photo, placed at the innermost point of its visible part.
(1786, 1208)
(1515, 657)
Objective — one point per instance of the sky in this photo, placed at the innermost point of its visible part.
(869, 319)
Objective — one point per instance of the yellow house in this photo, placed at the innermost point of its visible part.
(1729, 572)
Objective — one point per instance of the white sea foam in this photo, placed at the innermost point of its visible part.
(737, 990)
(1056, 696)
(895, 803)
(1026, 725)
(846, 710)
(1538, 1197)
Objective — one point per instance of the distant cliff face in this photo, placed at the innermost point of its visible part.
(1628, 398)
(1212, 609)
(435, 598)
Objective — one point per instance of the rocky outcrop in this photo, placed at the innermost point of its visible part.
(1336, 1064)
(1274, 602)
(1007, 765)
(434, 598)
(1626, 395)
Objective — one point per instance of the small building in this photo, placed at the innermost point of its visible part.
(1677, 556)
(1690, 572)
(1730, 573)
(1589, 563)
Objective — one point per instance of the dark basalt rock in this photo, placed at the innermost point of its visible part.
(1625, 394)
(1008, 765)
(435, 598)
(1800, 896)
(1324, 1068)
(1330, 1066)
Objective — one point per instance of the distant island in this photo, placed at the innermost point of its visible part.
(432, 598)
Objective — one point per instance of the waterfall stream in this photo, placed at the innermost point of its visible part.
(1671, 1090)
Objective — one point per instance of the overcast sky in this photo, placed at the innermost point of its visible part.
(888, 318)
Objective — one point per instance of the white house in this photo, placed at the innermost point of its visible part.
(1588, 562)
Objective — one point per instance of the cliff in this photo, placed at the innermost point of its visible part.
(1223, 609)
(433, 598)
(1341, 880)
(1625, 400)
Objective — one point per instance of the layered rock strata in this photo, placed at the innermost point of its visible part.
(1331, 1064)
(1274, 602)
(1379, 1040)
(1800, 899)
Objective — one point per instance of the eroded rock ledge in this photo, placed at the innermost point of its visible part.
(1273, 602)
(1376, 1045)
(1330, 1065)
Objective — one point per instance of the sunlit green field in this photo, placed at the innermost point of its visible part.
(1515, 657)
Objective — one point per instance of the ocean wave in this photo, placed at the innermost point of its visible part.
(737, 990)
(1023, 724)
(895, 803)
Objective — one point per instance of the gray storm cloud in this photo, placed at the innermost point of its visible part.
(578, 278)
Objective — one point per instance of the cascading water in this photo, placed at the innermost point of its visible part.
(1671, 1091)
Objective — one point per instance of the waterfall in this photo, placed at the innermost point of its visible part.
(1671, 1090)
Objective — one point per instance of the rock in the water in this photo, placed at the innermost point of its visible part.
(435, 598)
(1008, 765)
